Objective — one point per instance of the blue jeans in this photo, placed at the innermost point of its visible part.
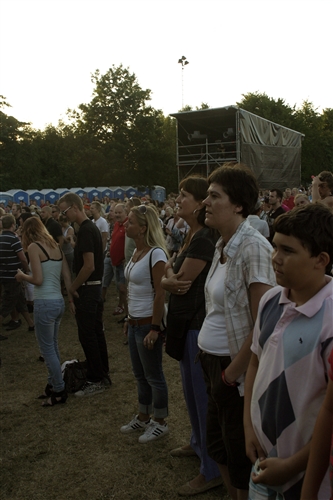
(147, 369)
(47, 315)
(108, 272)
(89, 319)
(195, 394)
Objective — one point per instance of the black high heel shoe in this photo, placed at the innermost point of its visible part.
(56, 398)
(47, 392)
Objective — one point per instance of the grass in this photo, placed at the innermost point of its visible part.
(75, 451)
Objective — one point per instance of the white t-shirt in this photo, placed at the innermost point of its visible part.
(213, 336)
(259, 224)
(103, 226)
(140, 291)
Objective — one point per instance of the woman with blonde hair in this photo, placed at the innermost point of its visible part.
(145, 311)
(47, 264)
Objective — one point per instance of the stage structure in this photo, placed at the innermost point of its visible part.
(210, 137)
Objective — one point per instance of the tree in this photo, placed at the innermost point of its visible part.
(128, 134)
(274, 110)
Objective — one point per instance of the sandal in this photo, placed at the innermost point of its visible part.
(56, 398)
(47, 392)
(118, 310)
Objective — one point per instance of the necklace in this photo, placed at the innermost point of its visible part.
(133, 262)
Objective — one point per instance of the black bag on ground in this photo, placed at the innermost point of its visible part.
(75, 375)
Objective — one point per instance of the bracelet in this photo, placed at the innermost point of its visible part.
(156, 328)
(229, 384)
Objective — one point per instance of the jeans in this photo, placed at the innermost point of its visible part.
(147, 369)
(108, 272)
(89, 319)
(195, 394)
(47, 315)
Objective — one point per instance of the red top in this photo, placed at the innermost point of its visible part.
(289, 202)
(117, 247)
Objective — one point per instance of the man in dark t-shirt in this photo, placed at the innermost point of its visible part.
(87, 292)
(275, 199)
(52, 225)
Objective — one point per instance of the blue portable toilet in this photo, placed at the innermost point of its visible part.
(79, 191)
(158, 193)
(19, 195)
(130, 191)
(118, 192)
(61, 191)
(104, 191)
(50, 195)
(142, 192)
(5, 197)
(35, 195)
(91, 192)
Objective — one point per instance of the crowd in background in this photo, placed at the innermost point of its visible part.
(208, 249)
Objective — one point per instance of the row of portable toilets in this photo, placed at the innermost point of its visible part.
(34, 196)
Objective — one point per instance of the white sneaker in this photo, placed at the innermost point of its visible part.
(154, 431)
(134, 425)
(90, 388)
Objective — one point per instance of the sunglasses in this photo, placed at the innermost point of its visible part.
(64, 212)
(142, 209)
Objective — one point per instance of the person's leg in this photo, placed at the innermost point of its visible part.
(151, 361)
(195, 394)
(107, 276)
(122, 287)
(21, 306)
(230, 407)
(86, 315)
(100, 335)
(47, 315)
(145, 396)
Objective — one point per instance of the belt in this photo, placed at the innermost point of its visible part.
(89, 283)
(140, 321)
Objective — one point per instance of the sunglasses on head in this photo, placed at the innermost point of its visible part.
(142, 209)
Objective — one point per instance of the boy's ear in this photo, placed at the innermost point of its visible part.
(323, 260)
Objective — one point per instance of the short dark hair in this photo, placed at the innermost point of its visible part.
(278, 192)
(312, 225)
(326, 176)
(239, 183)
(7, 221)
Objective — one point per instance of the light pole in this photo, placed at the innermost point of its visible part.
(183, 61)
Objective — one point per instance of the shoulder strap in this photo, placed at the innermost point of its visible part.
(151, 267)
(43, 250)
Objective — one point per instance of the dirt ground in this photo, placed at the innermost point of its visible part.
(75, 451)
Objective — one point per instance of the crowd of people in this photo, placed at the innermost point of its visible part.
(234, 283)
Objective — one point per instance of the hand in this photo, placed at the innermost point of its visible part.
(315, 180)
(74, 293)
(274, 472)
(20, 276)
(72, 307)
(173, 285)
(150, 339)
(252, 445)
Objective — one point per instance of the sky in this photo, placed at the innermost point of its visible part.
(49, 49)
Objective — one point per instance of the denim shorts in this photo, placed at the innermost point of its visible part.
(119, 274)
